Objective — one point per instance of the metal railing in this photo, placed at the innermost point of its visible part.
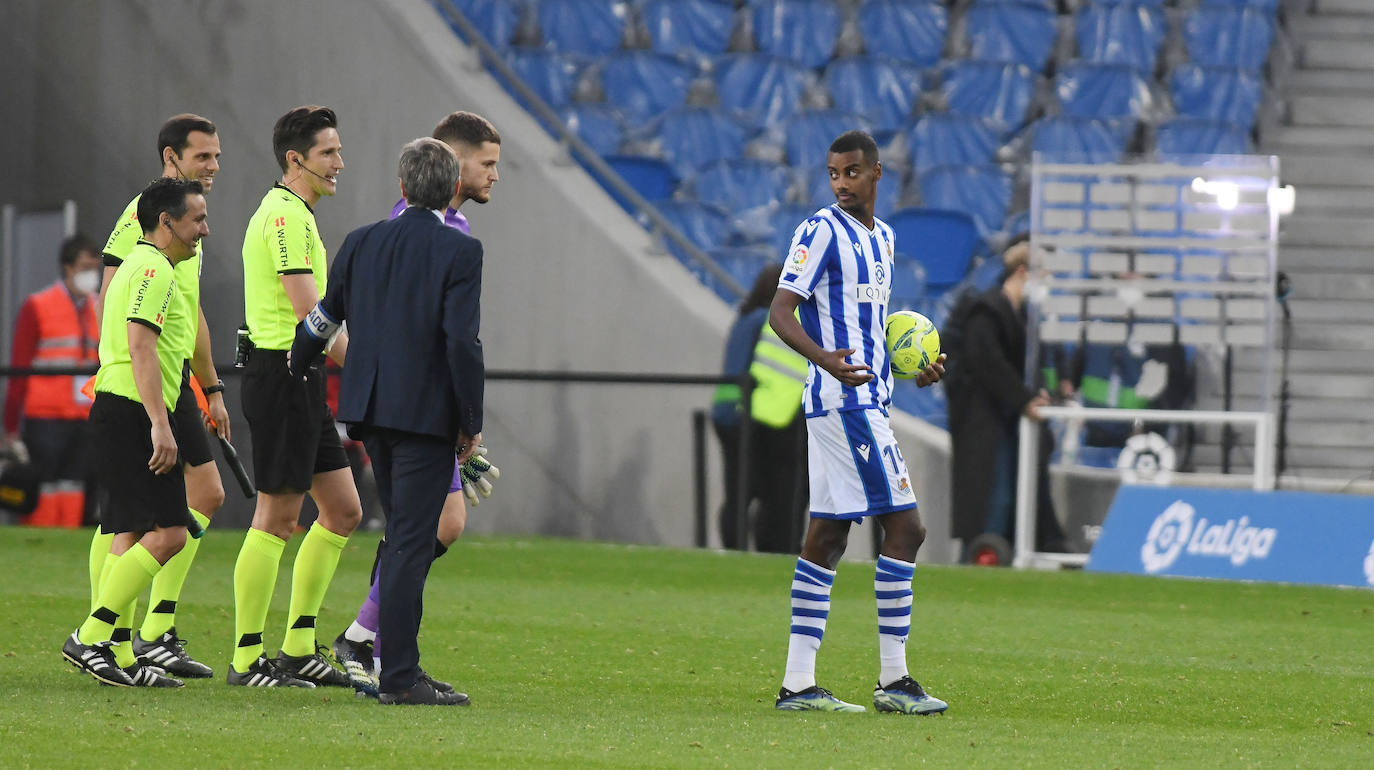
(745, 383)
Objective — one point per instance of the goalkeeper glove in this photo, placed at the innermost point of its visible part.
(477, 474)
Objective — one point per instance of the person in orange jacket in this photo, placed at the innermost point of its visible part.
(45, 415)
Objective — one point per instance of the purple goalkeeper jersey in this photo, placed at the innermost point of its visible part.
(452, 217)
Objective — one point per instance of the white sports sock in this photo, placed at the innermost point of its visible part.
(892, 587)
(811, 585)
(357, 633)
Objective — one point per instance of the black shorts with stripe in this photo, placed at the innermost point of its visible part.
(139, 500)
(193, 440)
(293, 431)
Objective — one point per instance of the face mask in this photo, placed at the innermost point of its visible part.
(87, 281)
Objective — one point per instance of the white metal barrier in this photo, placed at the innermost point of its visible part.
(1025, 554)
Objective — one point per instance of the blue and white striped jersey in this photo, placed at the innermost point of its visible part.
(844, 273)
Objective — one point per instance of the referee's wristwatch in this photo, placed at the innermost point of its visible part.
(218, 387)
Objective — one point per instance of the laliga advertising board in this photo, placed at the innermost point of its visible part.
(1288, 537)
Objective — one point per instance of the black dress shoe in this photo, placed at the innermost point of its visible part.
(422, 693)
(435, 683)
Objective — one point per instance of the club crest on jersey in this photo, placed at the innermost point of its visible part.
(903, 485)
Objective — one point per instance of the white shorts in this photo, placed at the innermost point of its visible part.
(856, 468)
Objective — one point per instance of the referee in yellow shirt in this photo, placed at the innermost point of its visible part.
(142, 352)
(296, 448)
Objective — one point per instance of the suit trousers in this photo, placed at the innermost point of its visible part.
(413, 472)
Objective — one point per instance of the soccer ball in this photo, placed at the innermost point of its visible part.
(912, 343)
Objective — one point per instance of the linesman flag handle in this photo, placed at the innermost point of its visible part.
(231, 456)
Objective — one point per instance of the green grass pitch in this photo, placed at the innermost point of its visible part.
(590, 655)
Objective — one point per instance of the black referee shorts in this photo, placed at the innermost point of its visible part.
(193, 441)
(292, 427)
(139, 500)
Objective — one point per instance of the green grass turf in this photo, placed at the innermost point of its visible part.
(584, 654)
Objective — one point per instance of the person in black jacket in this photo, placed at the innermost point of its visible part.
(988, 394)
(412, 386)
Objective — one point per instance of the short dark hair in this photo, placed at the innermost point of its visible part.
(176, 132)
(850, 141)
(72, 248)
(467, 128)
(296, 130)
(165, 194)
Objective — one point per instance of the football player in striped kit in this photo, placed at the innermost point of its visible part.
(837, 279)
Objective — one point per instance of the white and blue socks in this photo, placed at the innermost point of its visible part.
(892, 587)
(811, 585)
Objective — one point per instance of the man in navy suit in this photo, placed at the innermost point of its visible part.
(411, 387)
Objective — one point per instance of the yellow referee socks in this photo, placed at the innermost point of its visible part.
(128, 578)
(166, 590)
(315, 565)
(255, 575)
(100, 548)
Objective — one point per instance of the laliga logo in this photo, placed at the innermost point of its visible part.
(1167, 536)
(1235, 540)
(1369, 565)
(1146, 459)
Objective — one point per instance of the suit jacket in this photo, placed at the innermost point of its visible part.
(410, 290)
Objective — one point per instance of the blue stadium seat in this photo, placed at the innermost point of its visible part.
(590, 27)
(998, 92)
(643, 85)
(819, 193)
(1150, 3)
(1066, 139)
(652, 178)
(743, 263)
(943, 241)
(1120, 34)
(986, 273)
(881, 90)
(695, 137)
(801, 30)
(809, 135)
(741, 184)
(1228, 37)
(1179, 138)
(1270, 6)
(551, 75)
(911, 30)
(1104, 91)
(1228, 95)
(705, 225)
(908, 282)
(689, 27)
(495, 19)
(942, 139)
(983, 192)
(596, 124)
(761, 89)
(1012, 32)
(783, 224)
(926, 403)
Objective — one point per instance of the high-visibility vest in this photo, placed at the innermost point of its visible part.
(65, 339)
(779, 374)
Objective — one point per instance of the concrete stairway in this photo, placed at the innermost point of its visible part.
(1324, 138)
